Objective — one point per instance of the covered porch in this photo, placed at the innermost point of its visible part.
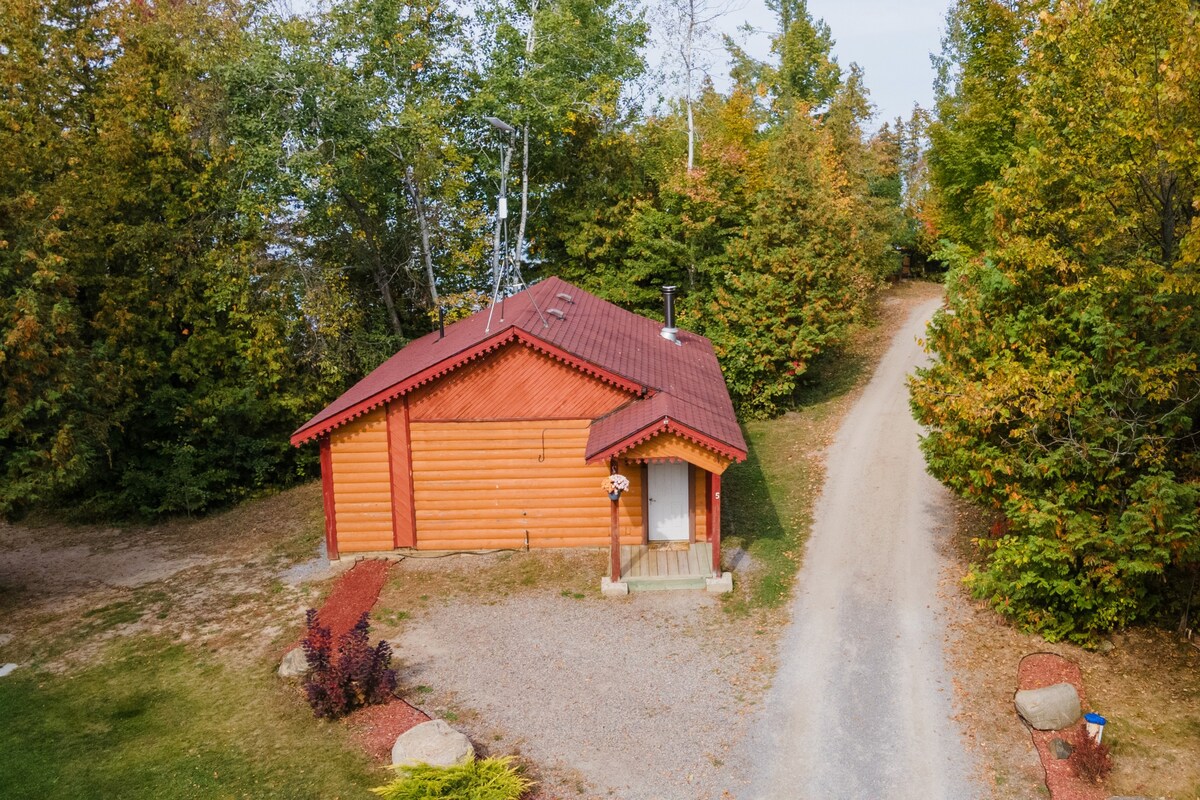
(680, 515)
(674, 473)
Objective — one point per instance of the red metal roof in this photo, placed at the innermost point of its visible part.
(679, 387)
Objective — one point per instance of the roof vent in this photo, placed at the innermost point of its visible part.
(566, 298)
(554, 312)
(669, 331)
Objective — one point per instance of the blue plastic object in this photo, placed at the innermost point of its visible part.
(1095, 719)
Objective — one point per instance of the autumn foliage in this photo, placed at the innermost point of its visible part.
(348, 677)
(1092, 760)
(216, 216)
(1067, 386)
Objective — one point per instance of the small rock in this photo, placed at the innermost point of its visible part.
(1061, 748)
(1051, 708)
(433, 742)
(294, 664)
(5, 638)
(1105, 646)
(737, 559)
(7, 670)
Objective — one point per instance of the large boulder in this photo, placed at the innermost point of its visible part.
(433, 742)
(294, 664)
(1051, 708)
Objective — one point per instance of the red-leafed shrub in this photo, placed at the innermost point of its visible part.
(355, 675)
(1092, 759)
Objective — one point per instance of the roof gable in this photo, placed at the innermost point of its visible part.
(513, 382)
(681, 382)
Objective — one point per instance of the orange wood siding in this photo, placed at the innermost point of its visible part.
(700, 504)
(362, 484)
(515, 383)
(668, 445)
(482, 485)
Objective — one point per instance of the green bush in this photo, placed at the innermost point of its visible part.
(1065, 392)
(480, 779)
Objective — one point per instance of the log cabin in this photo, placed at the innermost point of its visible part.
(498, 432)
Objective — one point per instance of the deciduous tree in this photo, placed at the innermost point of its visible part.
(1067, 388)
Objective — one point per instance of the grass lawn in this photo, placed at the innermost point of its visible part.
(154, 719)
(162, 685)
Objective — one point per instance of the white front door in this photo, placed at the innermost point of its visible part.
(668, 502)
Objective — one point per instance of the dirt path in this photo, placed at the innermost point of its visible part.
(861, 706)
(233, 581)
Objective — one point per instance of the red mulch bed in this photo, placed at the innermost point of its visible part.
(375, 728)
(1037, 671)
(355, 592)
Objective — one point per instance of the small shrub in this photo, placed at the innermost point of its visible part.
(356, 675)
(1092, 759)
(481, 779)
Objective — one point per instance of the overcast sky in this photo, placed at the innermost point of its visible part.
(890, 39)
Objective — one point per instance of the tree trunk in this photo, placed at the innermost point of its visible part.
(530, 44)
(691, 135)
(520, 252)
(414, 192)
(688, 67)
(379, 269)
(385, 290)
(1167, 184)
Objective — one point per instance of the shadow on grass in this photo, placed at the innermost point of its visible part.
(750, 521)
(153, 719)
(768, 499)
(830, 376)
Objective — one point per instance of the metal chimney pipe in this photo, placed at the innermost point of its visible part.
(669, 331)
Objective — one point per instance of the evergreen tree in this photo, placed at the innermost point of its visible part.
(1067, 387)
(146, 337)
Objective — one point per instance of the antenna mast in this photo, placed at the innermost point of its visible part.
(503, 266)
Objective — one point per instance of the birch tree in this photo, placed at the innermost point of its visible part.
(687, 31)
(553, 68)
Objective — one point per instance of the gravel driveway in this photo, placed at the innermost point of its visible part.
(655, 702)
(862, 704)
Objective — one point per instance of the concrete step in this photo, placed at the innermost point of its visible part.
(661, 583)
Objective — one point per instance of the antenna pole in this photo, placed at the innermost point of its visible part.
(498, 269)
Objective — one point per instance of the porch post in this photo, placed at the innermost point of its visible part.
(615, 533)
(615, 545)
(714, 522)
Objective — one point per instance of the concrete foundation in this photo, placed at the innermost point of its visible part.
(610, 589)
(721, 585)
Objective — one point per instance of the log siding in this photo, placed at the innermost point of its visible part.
(362, 484)
(512, 484)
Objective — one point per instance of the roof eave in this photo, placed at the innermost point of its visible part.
(665, 424)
